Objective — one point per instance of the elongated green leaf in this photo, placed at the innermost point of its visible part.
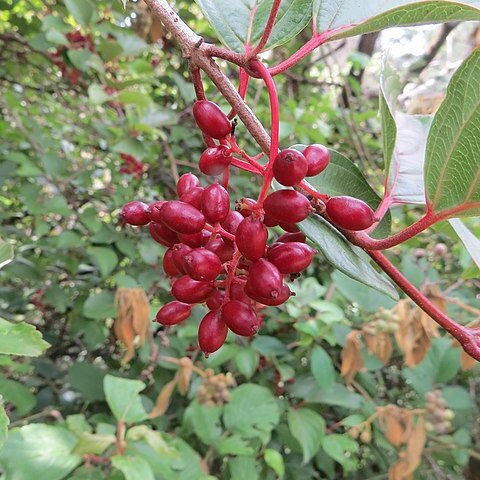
(344, 256)
(308, 428)
(357, 18)
(82, 10)
(322, 368)
(6, 253)
(133, 467)
(452, 164)
(21, 339)
(123, 398)
(471, 242)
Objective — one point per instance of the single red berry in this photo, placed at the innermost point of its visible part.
(240, 318)
(290, 227)
(292, 237)
(245, 206)
(169, 266)
(195, 240)
(265, 279)
(215, 160)
(215, 302)
(220, 248)
(237, 292)
(202, 265)
(318, 158)
(136, 213)
(188, 290)
(211, 120)
(182, 217)
(212, 332)
(287, 206)
(269, 221)
(350, 213)
(193, 196)
(215, 203)
(186, 182)
(289, 167)
(292, 257)
(251, 238)
(178, 254)
(231, 223)
(155, 211)
(162, 234)
(173, 313)
(283, 295)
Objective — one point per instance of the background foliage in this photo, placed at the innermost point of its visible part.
(337, 383)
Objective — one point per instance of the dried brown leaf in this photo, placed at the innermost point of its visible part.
(399, 470)
(394, 430)
(163, 400)
(184, 375)
(415, 445)
(352, 361)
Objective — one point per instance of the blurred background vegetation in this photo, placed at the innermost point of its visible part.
(342, 382)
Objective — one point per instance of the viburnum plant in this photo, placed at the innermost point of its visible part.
(231, 259)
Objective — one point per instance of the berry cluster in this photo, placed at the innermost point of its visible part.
(439, 418)
(215, 388)
(131, 165)
(220, 256)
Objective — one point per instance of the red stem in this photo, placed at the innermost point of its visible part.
(242, 90)
(310, 189)
(268, 30)
(469, 338)
(246, 166)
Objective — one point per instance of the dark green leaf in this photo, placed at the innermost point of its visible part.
(6, 253)
(88, 380)
(322, 368)
(308, 428)
(339, 447)
(4, 422)
(100, 306)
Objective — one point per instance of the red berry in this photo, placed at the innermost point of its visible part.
(173, 313)
(287, 206)
(215, 203)
(216, 300)
(182, 217)
(186, 182)
(293, 257)
(245, 206)
(292, 237)
(136, 213)
(155, 211)
(240, 318)
(283, 295)
(289, 167)
(169, 266)
(178, 254)
(212, 332)
(195, 240)
(188, 290)
(318, 158)
(215, 160)
(251, 238)
(265, 279)
(350, 213)
(223, 251)
(290, 227)
(237, 292)
(269, 221)
(162, 234)
(211, 120)
(202, 264)
(231, 223)
(193, 196)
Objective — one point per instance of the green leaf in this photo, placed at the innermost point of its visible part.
(274, 460)
(452, 164)
(82, 11)
(339, 447)
(97, 94)
(21, 339)
(308, 428)
(471, 242)
(40, 452)
(246, 361)
(4, 422)
(105, 258)
(344, 256)
(234, 445)
(131, 97)
(205, 421)
(20, 396)
(240, 416)
(100, 306)
(132, 45)
(357, 18)
(123, 398)
(133, 467)
(93, 443)
(80, 58)
(242, 468)
(6, 253)
(322, 368)
(88, 380)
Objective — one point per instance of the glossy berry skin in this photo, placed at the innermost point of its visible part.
(350, 213)
(251, 238)
(287, 206)
(289, 227)
(182, 217)
(318, 158)
(215, 203)
(240, 318)
(292, 257)
(269, 221)
(136, 213)
(162, 234)
(179, 251)
(237, 292)
(245, 206)
(155, 211)
(215, 160)
(212, 332)
(186, 182)
(173, 313)
(193, 196)
(289, 167)
(233, 220)
(292, 237)
(283, 295)
(202, 264)
(223, 251)
(264, 279)
(211, 120)
(215, 302)
(169, 266)
(195, 240)
(187, 290)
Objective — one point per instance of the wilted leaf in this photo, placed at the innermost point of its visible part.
(415, 445)
(184, 375)
(380, 345)
(352, 361)
(163, 400)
